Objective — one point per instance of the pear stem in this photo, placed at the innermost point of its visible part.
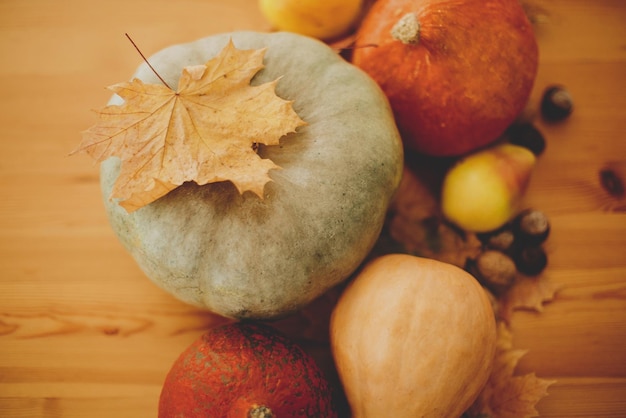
(407, 29)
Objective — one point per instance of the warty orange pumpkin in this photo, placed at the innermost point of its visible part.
(457, 72)
(245, 370)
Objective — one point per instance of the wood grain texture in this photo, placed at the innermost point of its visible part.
(84, 333)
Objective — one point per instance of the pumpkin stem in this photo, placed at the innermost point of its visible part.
(260, 412)
(407, 29)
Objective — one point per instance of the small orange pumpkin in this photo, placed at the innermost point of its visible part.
(457, 72)
(243, 370)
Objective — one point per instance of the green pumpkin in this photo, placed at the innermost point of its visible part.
(245, 257)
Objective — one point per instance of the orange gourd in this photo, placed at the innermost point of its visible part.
(457, 72)
(412, 337)
(245, 370)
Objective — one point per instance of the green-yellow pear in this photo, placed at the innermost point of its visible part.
(484, 190)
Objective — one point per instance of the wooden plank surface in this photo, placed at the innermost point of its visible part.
(84, 333)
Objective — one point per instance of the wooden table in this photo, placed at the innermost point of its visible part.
(83, 333)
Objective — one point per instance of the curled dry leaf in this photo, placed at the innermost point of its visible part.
(528, 293)
(204, 131)
(506, 395)
(415, 226)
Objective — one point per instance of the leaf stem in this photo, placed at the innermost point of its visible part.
(147, 62)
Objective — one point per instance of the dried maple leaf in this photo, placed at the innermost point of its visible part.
(529, 293)
(506, 395)
(415, 226)
(204, 131)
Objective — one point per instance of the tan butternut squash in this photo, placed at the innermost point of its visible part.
(412, 337)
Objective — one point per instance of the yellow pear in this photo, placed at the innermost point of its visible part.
(322, 19)
(484, 190)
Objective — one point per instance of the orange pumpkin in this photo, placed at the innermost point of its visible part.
(457, 72)
(243, 370)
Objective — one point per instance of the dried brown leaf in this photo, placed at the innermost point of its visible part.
(506, 395)
(528, 293)
(205, 131)
(416, 226)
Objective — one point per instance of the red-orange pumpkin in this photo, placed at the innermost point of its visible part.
(457, 72)
(242, 370)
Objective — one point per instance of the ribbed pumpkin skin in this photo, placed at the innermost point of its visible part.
(466, 79)
(412, 338)
(249, 258)
(238, 366)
